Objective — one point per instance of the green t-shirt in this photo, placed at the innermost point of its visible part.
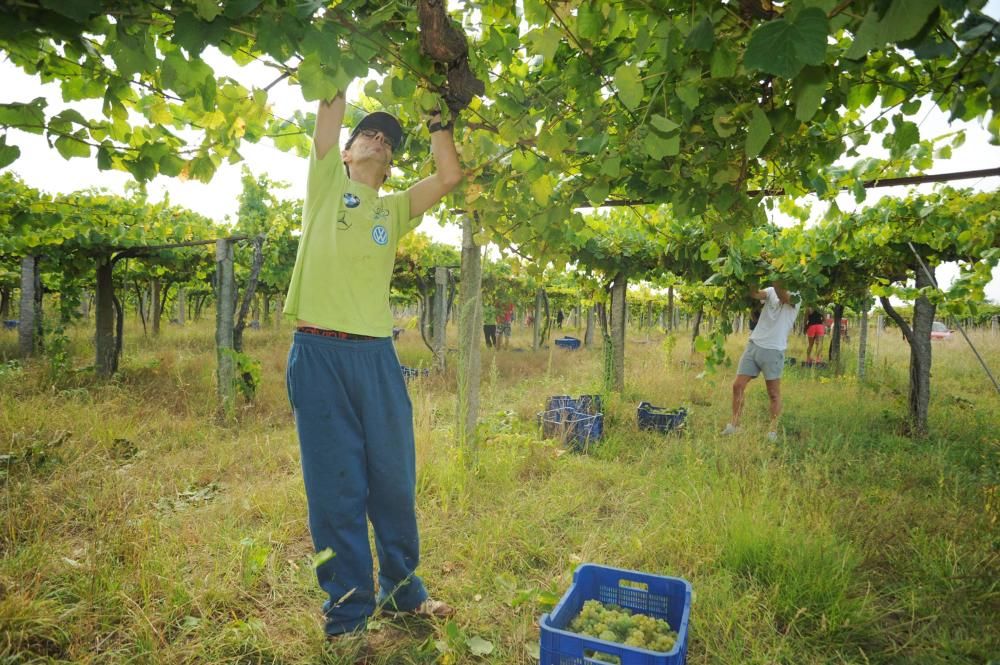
(489, 314)
(346, 251)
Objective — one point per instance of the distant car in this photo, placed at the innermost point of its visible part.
(940, 331)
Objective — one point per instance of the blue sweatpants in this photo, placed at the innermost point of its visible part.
(355, 425)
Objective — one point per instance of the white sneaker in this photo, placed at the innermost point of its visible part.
(772, 436)
(730, 430)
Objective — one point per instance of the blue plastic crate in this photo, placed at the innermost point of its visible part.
(584, 428)
(563, 403)
(667, 598)
(591, 404)
(552, 422)
(567, 342)
(657, 418)
(413, 372)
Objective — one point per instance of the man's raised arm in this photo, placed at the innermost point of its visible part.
(448, 171)
(783, 295)
(329, 119)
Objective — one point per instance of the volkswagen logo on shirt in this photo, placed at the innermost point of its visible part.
(380, 235)
(351, 201)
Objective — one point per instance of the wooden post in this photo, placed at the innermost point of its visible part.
(863, 340)
(85, 305)
(5, 303)
(27, 343)
(618, 309)
(470, 315)
(588, 335)
(154, 314)
(105, 361)
(536, 335)
(440, 316)
(670, 309)
(224, 314)
(181, 305)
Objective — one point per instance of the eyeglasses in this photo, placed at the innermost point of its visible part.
(372, 133)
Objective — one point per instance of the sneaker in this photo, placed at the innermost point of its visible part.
(429, 609)
(730, 430)
(772, 437)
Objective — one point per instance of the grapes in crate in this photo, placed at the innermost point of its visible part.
(617, 624)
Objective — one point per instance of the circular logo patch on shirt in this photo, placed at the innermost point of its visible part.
(351, 201)
(380, 235)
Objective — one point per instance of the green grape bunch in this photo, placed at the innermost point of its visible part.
(612, 623)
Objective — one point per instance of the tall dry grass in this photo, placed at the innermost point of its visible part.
(134, 529)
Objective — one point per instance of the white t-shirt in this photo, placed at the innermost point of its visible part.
(776, 321)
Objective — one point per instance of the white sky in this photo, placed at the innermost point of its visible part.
(43, 168)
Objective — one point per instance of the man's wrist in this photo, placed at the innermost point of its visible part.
(434, 124)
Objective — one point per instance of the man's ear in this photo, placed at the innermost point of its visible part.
(344, 155)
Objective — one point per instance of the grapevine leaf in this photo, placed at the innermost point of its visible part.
(663, 123)
(629, 85)
(782, 47)
(320, 81)
(239, 8)
(78, 10)
(277, 37)
(809, 86)
(907, 134)
(902, 19)
(479, 647)
(73, 145)
(130, 53)
(523, 160)
(723, 64)
(758, 132)
(723, 123)
(597, 193)
(208, 9)
(658, 147)
(8, 153)
(194, 35)
(589, 20)
(690, 95)
(26, 117)
(541, 189)
(702, 35)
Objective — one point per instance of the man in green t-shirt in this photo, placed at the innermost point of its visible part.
(490, 323)
(352, 412)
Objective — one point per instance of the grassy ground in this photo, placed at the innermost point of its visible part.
(134, 529)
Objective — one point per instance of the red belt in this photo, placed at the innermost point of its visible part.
(332, 333)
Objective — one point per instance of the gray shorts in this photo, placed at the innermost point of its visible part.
(756, 360)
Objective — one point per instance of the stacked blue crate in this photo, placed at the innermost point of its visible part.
(577, 421)
(413, 372)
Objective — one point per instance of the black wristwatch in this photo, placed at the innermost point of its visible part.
(438, 126)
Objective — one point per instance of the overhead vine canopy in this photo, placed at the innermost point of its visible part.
(688, 103)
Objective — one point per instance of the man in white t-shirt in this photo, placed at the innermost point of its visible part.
(765, 353)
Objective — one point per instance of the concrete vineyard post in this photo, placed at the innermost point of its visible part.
(440, 316)
(27, 343)
(225, 310)
(470, 328)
